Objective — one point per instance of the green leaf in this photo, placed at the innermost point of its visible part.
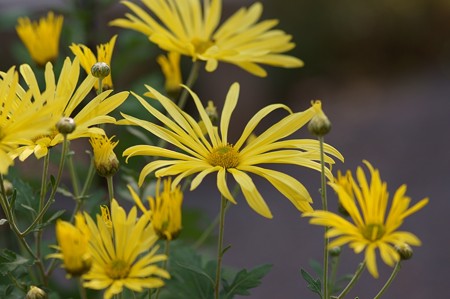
(314, 285)
(51, 219)
(244, 281)
(10, 261)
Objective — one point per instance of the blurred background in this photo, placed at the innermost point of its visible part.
(382, 71)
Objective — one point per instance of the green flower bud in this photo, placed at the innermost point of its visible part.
(36, 293)
(319, 125)
(100, 70)
(9, 188)
(335, 251)
(65, 125)
(405, 251)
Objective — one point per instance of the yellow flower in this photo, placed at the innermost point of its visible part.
(22, 117)
(73, 246)
(126, 258)
(170, 66)
(88, 59)
(65, 97)
(105, 159)
(214, 153)
(373, 226)
(165, 209)
(41, 38)
(192, 30)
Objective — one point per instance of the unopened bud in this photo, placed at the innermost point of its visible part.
(36, 293)
(9, 188)
(319, 124)
(335, 251)
(65, 125)
(211, 111)
(100, 70)
(405, 251)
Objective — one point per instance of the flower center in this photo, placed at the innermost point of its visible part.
(225, 156)
(117, 269)
(373, 232)
(201, 45)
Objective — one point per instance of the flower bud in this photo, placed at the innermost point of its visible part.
(100, 70)
(36, 293)
(9, 188)
(335, 251)
(319, 124)
(211, 111)
(105, 159)
(65, 125)
(405, 251)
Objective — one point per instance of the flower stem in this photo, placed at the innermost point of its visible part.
(109, 180)
(352, 281)
(83, 294)
(164, 265)
(390, 280)
(223, 205)
(323, 191)
(193, 75)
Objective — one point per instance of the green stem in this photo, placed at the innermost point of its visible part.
(390, 280)
(352, 281)
(109, 180)
(164, 265)
(83, 294)
(73, 176)
(334, 268)
(193, 75)
(223, 205)
(100, 85)
(325, 208)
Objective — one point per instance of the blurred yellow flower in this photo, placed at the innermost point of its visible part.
(41, 38)
(126, 258)
(373, 226)
(192, 29)
(22, 117)
(197, 153)
(170, 66)
(165, 209)
(65, 97)
(88, 59)
(73, 246)
(105, 159)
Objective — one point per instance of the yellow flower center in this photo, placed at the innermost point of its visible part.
(373, 232)
(117, 269)
(225, 156)
(201, 45)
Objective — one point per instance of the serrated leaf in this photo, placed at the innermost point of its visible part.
(244, 281)
(314, 285)
(10, 261)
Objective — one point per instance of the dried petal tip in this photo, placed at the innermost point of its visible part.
(100, 70)
(66, 125)
(36, 293)
(405, 251)
(319, 125)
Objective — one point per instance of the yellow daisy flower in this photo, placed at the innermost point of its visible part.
(73, 246)
(165, 209)
(105, 159)
(373, 226)
(214, 153)
(22, 118)
(41, 38)
(124, 257)
(88, 59)
(64, 97)
(191, 29)
(170, 66)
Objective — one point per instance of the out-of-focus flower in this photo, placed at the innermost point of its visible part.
(22, 117)
(170, 66)
(73, 246)
(41, 38)
(105, 159)
(202, 155)
(36, 293)
(373, 226)
(65, 97)
(88, 59)
(192, 29)
(164, 209)
(125, 258)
